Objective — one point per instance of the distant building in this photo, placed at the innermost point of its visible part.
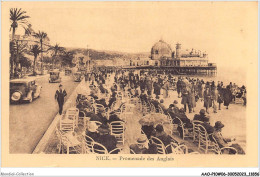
(162, 56)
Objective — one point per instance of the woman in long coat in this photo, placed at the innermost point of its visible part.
(220, 97)
(192, 97)
(185, 98)
(207, 99)
(157, 89)
(227, 95)
(214, 97)
(165, 87)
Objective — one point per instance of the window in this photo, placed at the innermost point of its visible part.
(156, 52)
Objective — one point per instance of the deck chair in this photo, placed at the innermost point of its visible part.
(88, 144)
(73, 111)
(223, 150)
(174, 126)
(160, 110)
(65, 143)
(177, 149)
(67, 124)
(196, 130)
(205, 143)
(159, 144)
(186, 132)
(117, 129)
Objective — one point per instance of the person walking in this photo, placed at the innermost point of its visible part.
(207, 99)
(59, 96)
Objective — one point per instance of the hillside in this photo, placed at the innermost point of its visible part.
(108, 55)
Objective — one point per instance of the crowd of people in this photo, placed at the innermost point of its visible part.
(153, 89)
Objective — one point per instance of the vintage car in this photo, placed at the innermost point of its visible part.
(78, 76)
(54, 76)
(24, 90)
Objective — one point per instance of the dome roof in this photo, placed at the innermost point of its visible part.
(161, 48)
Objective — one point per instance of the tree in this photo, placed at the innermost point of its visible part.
(25, 62)
(17, 17)
(67, 58)
(35, 50)
(57, 50)
(42, 36)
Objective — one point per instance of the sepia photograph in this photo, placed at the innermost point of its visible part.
(130, 79)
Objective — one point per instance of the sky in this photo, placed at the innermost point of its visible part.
(226, 31)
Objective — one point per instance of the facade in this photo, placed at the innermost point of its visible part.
(178, 60)
(162, 55)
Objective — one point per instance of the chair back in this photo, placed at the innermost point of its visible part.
(98, 148)
(72, 111)
(88, 144)
(123, 108)
(159, 144)
(67, 123)
(203, 135)
(169, 118)
(117, 129)
(196, 129)
(152, 107)
(160, 110)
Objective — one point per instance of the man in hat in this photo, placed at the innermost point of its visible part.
(185, 120)
(225, 142)
(160, 134)
(92, 130)
(201, 117)
(105, 139)
(141, 146)
(60, 97)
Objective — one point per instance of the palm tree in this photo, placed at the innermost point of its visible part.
(67, 58)
(17, 16)
(56, 51)
(35, 50)
(42, 36)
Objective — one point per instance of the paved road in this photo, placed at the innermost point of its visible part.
(29, 121)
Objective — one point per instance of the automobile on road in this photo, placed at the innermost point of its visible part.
(24, 90)
(54, 77)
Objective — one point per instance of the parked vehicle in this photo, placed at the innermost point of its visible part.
(54, 76)
(78, 76)
(24, 90)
